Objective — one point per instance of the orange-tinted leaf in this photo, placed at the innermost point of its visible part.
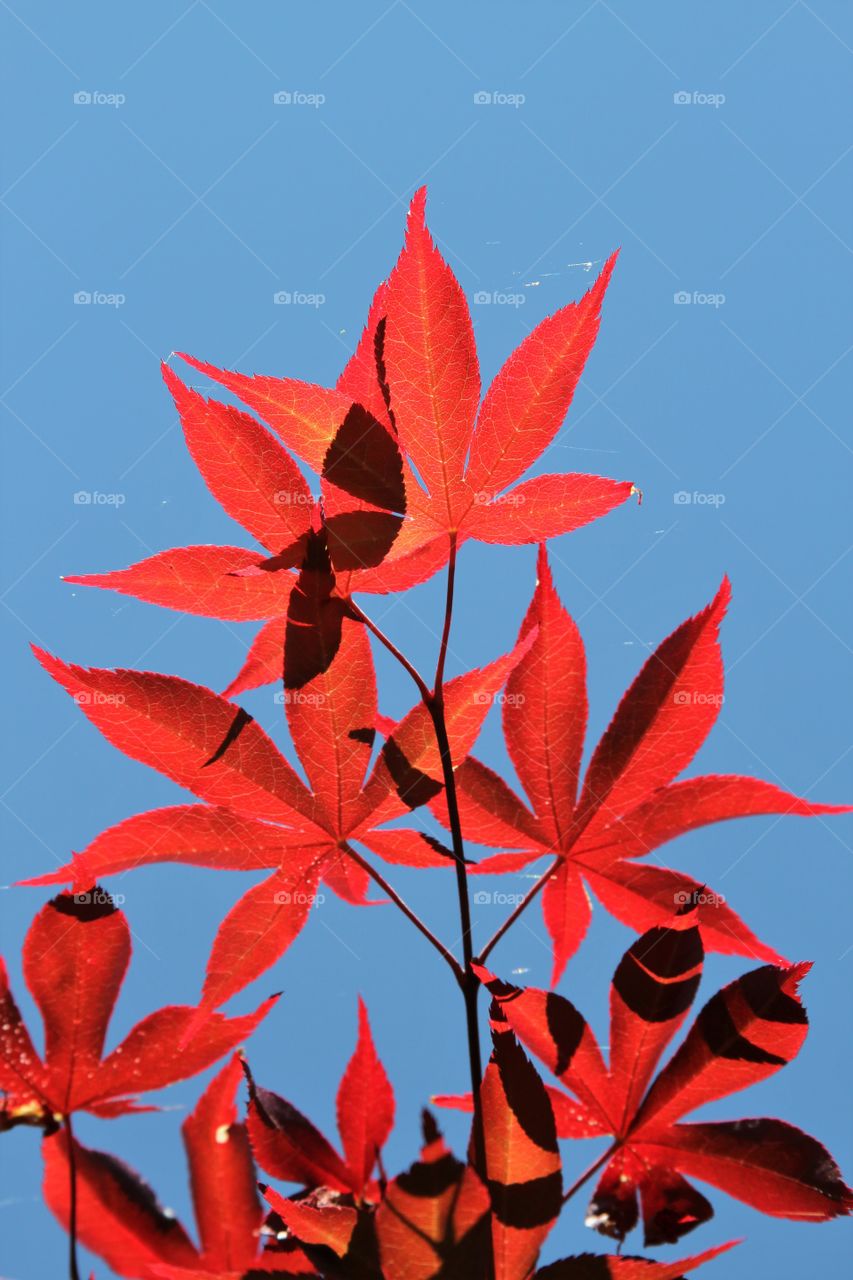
(552, 1028)
(522, 1159)
(331, 1226)
(432, 1220)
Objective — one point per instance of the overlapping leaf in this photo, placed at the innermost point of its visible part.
(522, 1160)
(413, 380)
(590, 1266)
(745, 1033)
(425, 371)
(433, 1219)
(629, 802)
(312, 545)
(120, 1219)
(75, 957)
(259, 813)
(288, 1146)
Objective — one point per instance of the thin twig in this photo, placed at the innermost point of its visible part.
(587, 1174)
(73, 1268)
(361, 616)
(407, 911)
(471, 985)
(517, 910)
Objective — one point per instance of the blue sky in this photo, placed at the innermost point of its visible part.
(713, 145)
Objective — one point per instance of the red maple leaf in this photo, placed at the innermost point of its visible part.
(745, 1033)
(414, 381)
(589, 1266)
(628, 804)
(120, 1219)
(438, 1220)
(259, 485)
(288, 1146)
(259, 813)
(75, 956)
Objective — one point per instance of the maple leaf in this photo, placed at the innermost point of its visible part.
(259, 485)
(414, 381)
(288, 1146)
(120, 1219)
(745, 1033)
(431, 1221)
(590, 1266)
(628, 804)
(522, 1159)
(199, 740)
(75, 957)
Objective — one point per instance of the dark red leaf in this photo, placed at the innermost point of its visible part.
(118, 1215)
